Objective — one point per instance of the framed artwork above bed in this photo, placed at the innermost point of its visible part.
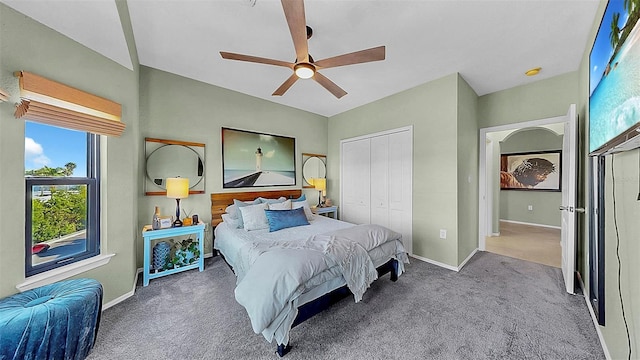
(252, 159)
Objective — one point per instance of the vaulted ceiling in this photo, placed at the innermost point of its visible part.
(490, 43)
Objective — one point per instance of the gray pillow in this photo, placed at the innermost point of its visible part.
(272, 201)
(238, 204)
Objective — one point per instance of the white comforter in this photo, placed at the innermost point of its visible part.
(273, 274)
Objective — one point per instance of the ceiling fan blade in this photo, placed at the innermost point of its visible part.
(329, 85)
(362, 56)
(255, 59)
(285, 85)
(294, 12)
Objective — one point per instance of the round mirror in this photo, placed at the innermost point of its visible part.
(174, 160)
(312, 168)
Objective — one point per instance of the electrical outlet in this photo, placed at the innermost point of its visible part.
(443, 234)
(530, 207)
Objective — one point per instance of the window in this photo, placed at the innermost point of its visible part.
(62, 196)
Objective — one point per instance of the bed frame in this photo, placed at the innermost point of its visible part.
(219, 202)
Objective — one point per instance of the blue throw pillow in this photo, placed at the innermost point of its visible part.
(282, 219)
(301, 198)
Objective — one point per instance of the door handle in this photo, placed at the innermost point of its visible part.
(572, 209)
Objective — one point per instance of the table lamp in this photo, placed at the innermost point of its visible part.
(321, 185)
(177, 188)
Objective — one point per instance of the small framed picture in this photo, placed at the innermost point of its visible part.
(165, 222)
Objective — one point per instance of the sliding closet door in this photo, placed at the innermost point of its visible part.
(376, 180)
(380, 180)
(355, 188)
(400, 169)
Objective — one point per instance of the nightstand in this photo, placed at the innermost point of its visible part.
(326, 211)
(150, 235)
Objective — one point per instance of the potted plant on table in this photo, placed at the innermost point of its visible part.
(186, 253)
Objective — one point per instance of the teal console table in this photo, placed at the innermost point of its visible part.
(151, 235)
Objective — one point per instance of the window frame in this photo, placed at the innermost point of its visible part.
(92, 181)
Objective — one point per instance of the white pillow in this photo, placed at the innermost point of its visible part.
(234, 223)
(281, 206)
(232, 211)
(305, 205)
(253, 217)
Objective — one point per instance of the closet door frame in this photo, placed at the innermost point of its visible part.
(409, 205)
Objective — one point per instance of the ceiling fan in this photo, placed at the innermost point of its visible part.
(305, 67)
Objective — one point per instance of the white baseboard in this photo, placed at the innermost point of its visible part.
(125, 296)
(129, 294)
(437, 263)
(464, 262)
(607, 355)
(446, 266)
(531, 224)
(495, 234)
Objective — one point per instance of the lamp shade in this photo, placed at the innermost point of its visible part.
(177, 188)
(320, 184)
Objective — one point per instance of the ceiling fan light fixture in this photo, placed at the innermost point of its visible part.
(304, 70)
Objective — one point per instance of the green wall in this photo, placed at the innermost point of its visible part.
(538, 100)
(513, 204)
(493, 171)
(541, 99)
(30, 46)
(467, 170)
(624, 237)
(622, 227)
(195, 111)
(433, 111)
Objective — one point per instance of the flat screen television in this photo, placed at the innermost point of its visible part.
(614, 81)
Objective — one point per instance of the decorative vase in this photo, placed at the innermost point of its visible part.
(155, 224)
(161, 254)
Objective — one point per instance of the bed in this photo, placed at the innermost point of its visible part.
(286, 275)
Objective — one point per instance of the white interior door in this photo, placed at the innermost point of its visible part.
(355, 182)
(568, 207)
(377, 181)
(380, 180)
(400, 186)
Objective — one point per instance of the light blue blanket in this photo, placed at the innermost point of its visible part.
(275, 275)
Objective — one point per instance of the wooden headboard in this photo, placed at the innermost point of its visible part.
(220, 201)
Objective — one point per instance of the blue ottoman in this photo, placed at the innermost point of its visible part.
(57, 321)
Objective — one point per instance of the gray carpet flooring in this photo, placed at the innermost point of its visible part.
(496, 307)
